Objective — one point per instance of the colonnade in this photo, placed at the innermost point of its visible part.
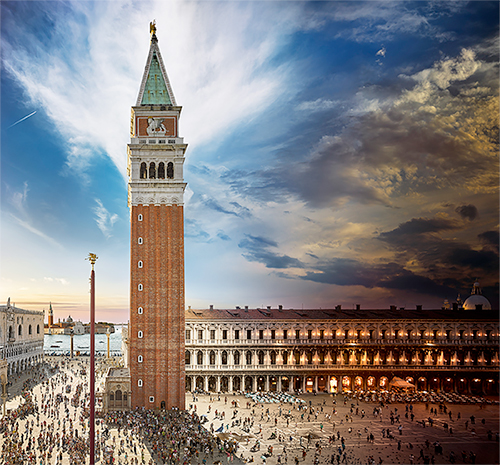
(338, 382)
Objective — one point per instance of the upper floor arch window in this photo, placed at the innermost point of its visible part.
(30, 331)
(152, 170)
(170, 170)
(161, 170)
(143, 171)
(20, 330)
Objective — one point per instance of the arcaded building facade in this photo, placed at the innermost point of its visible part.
(21, 337)
(276, 349)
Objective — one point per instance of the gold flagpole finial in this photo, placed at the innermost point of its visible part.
(92, 258)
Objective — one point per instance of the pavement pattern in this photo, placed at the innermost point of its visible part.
(324, 429)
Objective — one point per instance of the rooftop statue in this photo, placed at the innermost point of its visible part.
(152, 27)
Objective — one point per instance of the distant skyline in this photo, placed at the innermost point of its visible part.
(339, 152)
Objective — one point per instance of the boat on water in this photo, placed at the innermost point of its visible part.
(83, 347)
(54, 346)
(58, 341)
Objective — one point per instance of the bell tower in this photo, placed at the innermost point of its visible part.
(155, 198)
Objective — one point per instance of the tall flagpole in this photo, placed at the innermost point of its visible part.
(92, 258)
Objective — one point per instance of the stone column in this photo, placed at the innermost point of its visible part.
(328, 383)
(316, 383)
(205, 383)
(304, 383)
(217, 383)
(267, 382)
(278, 385)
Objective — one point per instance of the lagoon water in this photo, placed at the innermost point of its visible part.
(82, 343)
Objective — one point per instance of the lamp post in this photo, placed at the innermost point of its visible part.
(71, 333)
(92, 258)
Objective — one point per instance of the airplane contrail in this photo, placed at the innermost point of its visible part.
(22, 119)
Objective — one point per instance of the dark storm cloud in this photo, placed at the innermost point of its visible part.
(349, 272)
(419, 226)
(465, 257)
(257, 250)
(467, 211)
(490, 238)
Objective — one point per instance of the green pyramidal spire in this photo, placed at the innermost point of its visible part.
(155, 91)
(155, 86)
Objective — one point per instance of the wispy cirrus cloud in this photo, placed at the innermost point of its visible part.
(104, 219)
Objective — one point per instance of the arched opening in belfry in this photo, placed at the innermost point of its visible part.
(144, 171)
(161, 170)
(152, 170)
(170, 170)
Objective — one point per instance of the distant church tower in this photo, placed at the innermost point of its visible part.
(155, 198)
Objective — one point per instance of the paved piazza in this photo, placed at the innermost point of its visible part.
(270, 433)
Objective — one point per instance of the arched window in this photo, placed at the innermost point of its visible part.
(38, 329)
(249, 357)
(140, 310)
(139, 334)
(224, 357)
(140, 287)
(139, 263)
(139, 358)
(152, 170)
(139, 382)
(236, 358)
(118, 395)
(139, 240)
(144, 171)
(261, 357)
(30, 330)
(273, 357)
(20, 331)
(11, 333)
(199, 358)
(170, 170)
(188, 357)
(212, 357)
(161, 170)
(139, 217)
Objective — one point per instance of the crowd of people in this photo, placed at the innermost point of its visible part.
(51, 421)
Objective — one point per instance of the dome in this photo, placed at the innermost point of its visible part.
(476, 299)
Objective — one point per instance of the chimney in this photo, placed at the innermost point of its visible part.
(393, 308)
(280, 307)
(269, 307)
(455, 306)
(358, 307)
(419, 308)
(237, 307)
(338, 307)
(401, 308)
(211, 307)
(246, 308)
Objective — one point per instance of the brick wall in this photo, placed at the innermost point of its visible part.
(162, 299)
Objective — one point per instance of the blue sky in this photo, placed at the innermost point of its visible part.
(339, 152)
